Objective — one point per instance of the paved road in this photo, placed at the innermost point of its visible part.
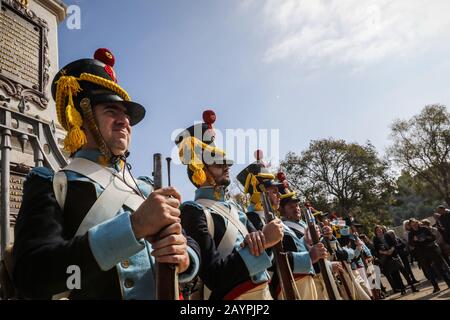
(425, 287)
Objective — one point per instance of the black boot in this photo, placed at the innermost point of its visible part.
(436, 288)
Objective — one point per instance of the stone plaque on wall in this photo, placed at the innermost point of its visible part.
(28, 60)
(24, 59)
(20, 49)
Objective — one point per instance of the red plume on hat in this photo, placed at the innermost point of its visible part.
(259, 156)
(105, 55)
(282, 178)
(209, 117)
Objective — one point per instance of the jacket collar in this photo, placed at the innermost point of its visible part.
(210, 193)
(95, 155)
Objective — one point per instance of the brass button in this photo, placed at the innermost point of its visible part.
(129, 283)
(125, 263)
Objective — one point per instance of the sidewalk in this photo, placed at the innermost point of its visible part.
(425, 287)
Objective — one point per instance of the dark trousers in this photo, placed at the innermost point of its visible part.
(430, 256)
(397, 280)
(391, 281)
(407, 266)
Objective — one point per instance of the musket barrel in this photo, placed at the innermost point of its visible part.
(166, 274)
(168, 159)
(321, 262)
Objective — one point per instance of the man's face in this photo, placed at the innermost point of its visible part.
(327, 232)
(441, 211)
(114, 126)
(291, 211)
(274, 197)
(414, 225)
(220, 173)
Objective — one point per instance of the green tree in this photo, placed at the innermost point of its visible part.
(351, 177)
(413, 199)
(421, 147)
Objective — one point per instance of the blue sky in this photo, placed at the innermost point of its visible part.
(310, 68)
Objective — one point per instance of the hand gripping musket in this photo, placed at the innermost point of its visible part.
(166, 274)
(323, 267)
(283, 269)
(341, 273)
(349, 272)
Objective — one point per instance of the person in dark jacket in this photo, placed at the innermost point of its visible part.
(442, 217)
(402, 251)
(391, 263)
(443, 222)
(427, 253)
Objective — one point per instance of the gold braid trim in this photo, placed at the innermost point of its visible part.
(68, 86)
(108, 84)
(69, 117)
(287, 195)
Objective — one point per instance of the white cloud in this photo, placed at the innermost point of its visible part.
(353, 32)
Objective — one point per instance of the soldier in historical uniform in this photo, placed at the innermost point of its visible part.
(298, 242)
(347, 284)
(292, 218)
(353, 249)
(233, 253)
(93, 216)
(301, 261)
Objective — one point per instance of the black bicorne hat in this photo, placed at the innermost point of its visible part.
(197, 148)
(287, 195)
(256, 172)
(93, 81)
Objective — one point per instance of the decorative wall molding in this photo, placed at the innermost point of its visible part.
(14, 88)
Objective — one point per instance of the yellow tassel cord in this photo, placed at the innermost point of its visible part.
(256, 200)
(70, 119)
(108, 84)
(196, 165)
(68, 115)
(75, 138)
(252, 180)
(66, 86)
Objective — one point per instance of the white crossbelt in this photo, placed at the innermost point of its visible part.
(295, 226)
(116, 194)
(235, 226)
(229, 239)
